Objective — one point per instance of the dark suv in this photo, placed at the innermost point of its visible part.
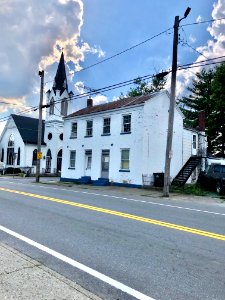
(213, 178)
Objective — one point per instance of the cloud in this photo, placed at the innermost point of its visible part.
(100, 99)
(32, 36)
(214, 47)
(199, 19)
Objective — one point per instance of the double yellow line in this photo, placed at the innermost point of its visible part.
(123, 215)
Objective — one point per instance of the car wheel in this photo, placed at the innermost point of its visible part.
(219, 188)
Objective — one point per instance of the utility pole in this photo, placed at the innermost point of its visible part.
(172, 105)
(39, 156)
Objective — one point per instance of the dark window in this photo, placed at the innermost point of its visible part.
(89, 128)
(61, 136)
(2, 158)
(34, 160)
(125, 159)
(64, 107)
(18, 157)
(72, 159)
(194, 141)
(126, 127)
(50, 136)
(217, 169)
(106, 126)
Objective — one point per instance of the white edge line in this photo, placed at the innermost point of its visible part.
(78, 265)
(133, 200)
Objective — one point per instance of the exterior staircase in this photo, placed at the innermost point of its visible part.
(186, 170)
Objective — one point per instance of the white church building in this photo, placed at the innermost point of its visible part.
(18, 142)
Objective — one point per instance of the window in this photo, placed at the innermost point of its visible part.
(89, 128)
(126, 126)
(50, 136)
(74, 130)
(18, 157)
(2, 158)
(125, 159)
(61, 136)
(72, 159)
(194, 141)
(51, 109)
(106, 126)
(34, 160)
(10, 150)
(64, 107)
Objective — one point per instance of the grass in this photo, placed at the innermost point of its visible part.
(191, 189)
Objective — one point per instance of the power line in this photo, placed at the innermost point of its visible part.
(202, 22)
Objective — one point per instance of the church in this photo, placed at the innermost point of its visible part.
(18, 142)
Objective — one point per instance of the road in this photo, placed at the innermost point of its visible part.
(118, 246)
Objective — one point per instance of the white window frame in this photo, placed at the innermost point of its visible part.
(194, 141)
(106, 125)
(123, 160)
(89, 131)
(126, 124)
(72, 162)
(73, 134)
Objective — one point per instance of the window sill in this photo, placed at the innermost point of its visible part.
(126, 132)
(126, 171)
(105, 134)
(73, 137)
(88, 136)
(71, 168)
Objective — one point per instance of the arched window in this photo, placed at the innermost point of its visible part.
(18, 157)
(51, 109)
(10, 150)
(2, 157)
(34, 160)
(64, 107)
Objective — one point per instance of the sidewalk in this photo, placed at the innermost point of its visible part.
(24, 278)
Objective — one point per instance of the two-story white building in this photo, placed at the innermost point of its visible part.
(123, 140)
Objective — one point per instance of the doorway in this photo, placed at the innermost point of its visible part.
(48, 161)
(59, 161)
(88, 162)
(105, 164)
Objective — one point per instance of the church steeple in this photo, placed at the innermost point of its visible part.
(60, 82)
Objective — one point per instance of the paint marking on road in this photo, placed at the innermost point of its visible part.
(128, 199)
(123, 215)
(76, 264)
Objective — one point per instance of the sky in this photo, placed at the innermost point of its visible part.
(33, 34)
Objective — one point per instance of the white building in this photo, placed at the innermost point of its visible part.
(18, 142)
(123, 140)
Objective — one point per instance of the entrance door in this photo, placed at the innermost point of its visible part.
(59, 161)
(88, 161)
(105, 164)
(48, 161)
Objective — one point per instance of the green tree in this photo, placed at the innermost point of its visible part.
(143, 87)
(207, 93)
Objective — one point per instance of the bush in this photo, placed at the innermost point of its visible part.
(11, 170)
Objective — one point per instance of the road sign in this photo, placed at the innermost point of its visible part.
(39, 155)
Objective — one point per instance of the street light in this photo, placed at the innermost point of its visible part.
(172, 104)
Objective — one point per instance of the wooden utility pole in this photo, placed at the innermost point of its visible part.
(39, 156)
(172, 105)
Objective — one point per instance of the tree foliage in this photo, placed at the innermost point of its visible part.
(207, 93)
(143, 87)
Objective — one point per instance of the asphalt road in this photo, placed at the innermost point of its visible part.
(162, 248)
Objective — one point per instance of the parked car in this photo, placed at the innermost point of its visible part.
(2, 168)
(213, 178)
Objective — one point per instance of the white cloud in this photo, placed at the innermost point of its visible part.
(214, 47)
(192, 38)
(199, 19)
(99, 99)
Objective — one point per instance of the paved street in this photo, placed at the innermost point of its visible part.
(134, 242)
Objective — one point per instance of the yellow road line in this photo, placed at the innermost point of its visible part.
(123, 215)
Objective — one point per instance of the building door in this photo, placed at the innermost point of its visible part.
(59, 161)
(105, 164)
(88, 162)
(48, 161)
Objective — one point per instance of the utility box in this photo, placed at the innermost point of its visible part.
(158, 179)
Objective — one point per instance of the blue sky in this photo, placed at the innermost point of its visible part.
(92, 30)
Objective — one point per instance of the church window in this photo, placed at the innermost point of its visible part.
(61, 136)
(2, 157)
(34, 160)
(51, 109)
(50, 136)
(10, 150)
(18, 157)
(64, 107)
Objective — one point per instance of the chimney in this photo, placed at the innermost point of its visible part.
(89, 102)
(201, 121)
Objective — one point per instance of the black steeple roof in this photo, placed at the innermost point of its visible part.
(28, 129)
(60, 82)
